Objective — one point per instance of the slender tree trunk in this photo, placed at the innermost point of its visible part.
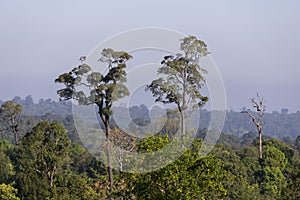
(14, 128)
(260, 144)
(51, 176)
(182, 121)
(109, 168)
(16, 137)
(182, 109)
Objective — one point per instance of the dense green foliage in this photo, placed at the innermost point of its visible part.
(189, 177)
(231, 171)
(40, 158)
(7, 192)
(11, 113)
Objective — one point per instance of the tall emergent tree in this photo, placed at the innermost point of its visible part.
(258, 104)
(183, 78)
(11, 114)
(104, 89)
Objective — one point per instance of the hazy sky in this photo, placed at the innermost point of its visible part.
(255, 44)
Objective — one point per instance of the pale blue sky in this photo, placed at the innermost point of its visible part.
(254, 43)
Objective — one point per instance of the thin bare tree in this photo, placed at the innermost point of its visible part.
(258, 104)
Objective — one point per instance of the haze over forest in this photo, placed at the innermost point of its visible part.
(255, 44)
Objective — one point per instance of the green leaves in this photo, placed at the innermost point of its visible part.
(182, 76)
(193, 48)
(102, 89)
(164, 91)
(81, 70)
(273, 157)
(7, 192)
(273, 182)
(11, 114)
(94, 78)
(6, 166)
(189, 177)
(114, 57)
(46, 141)
(42, 153)
(9, 111)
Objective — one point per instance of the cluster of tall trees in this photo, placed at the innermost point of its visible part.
(180, 84)
(44, 160)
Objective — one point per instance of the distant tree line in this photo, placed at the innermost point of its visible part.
(43, 106)
(277, 124)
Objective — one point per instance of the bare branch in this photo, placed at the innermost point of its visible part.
(260, 108)
(176, 76)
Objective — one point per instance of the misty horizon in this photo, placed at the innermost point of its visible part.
(254, 44)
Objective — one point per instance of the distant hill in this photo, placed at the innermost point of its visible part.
(277, 125)
(44, 106)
